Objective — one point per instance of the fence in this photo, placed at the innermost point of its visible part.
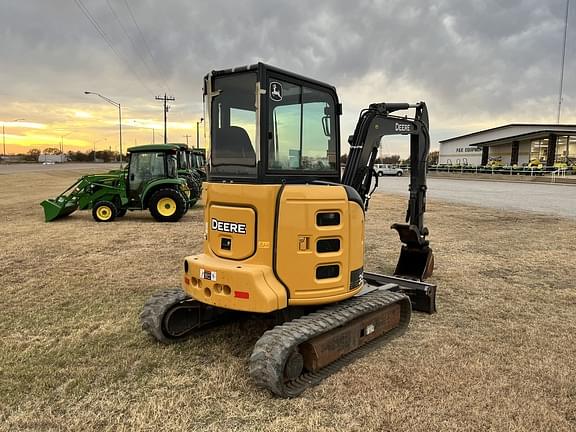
(503, 170)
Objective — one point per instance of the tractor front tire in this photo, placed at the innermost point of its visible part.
(104, 211)
(167, 205)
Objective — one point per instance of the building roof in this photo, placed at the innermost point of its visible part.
(511, 132)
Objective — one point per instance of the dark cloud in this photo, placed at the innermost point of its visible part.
(474, 61)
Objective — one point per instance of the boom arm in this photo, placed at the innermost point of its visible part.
(416, 259)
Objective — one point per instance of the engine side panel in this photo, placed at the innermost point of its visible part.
(314, 247)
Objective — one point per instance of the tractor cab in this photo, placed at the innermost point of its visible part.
(149, 162)
(267, 125)
(197, 160)
(182, 156)
(197, 157)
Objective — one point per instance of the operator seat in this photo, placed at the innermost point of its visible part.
(234, 142)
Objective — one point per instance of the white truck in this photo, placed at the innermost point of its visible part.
(386, 169)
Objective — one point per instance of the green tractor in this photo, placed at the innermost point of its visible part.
(189, 170)
(197, 158)
(150, 182)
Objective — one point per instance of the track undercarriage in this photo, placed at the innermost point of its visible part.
(301, 352)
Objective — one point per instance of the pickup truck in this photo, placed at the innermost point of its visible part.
(385, 169)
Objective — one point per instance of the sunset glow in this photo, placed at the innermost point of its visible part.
(78, 128)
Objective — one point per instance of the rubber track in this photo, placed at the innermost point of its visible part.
(273, 348)
(154, 310)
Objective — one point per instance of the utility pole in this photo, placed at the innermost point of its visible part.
(187, 136)
(4, 135)
(166, 109)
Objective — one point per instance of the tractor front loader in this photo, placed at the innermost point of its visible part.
(284, 233)
(150, 182)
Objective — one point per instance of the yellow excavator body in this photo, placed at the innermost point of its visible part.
(269, 246)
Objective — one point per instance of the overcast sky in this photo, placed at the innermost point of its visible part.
(477, 64)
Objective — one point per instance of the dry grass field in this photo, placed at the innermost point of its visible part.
(499, 356)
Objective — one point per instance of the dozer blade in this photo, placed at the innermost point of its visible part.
(300, 353)
(55, 209)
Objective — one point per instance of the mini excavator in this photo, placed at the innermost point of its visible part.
(284, 230)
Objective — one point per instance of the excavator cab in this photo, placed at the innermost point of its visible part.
(284, 232)
(271, 126)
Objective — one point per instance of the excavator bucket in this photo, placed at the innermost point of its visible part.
(416, 258)
(58, 208)
(415, 263)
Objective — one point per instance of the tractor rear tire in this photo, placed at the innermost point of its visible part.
(121, 212)
(167, 205)
(104, 211)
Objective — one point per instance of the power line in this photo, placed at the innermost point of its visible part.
(166, 109)
(148, 50)
(563, 59)
(106, 39)
(127, 34)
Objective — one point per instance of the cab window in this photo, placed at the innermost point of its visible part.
(145, 167)
(302, 129)
(233, 128)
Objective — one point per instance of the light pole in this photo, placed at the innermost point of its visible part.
(117, 105)
(198, 133)
(4, 135)
(62, 144)
(144, 127)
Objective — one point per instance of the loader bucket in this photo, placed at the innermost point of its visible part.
(415, 263)
(56, 209)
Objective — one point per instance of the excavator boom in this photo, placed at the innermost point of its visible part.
(416, 259)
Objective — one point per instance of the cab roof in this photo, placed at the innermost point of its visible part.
(154, 148)
(267, 67)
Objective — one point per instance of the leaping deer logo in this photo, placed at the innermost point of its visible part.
(275, 91)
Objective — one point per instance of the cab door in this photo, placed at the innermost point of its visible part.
(144, 167)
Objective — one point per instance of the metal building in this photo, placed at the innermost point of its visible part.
(513, 144)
